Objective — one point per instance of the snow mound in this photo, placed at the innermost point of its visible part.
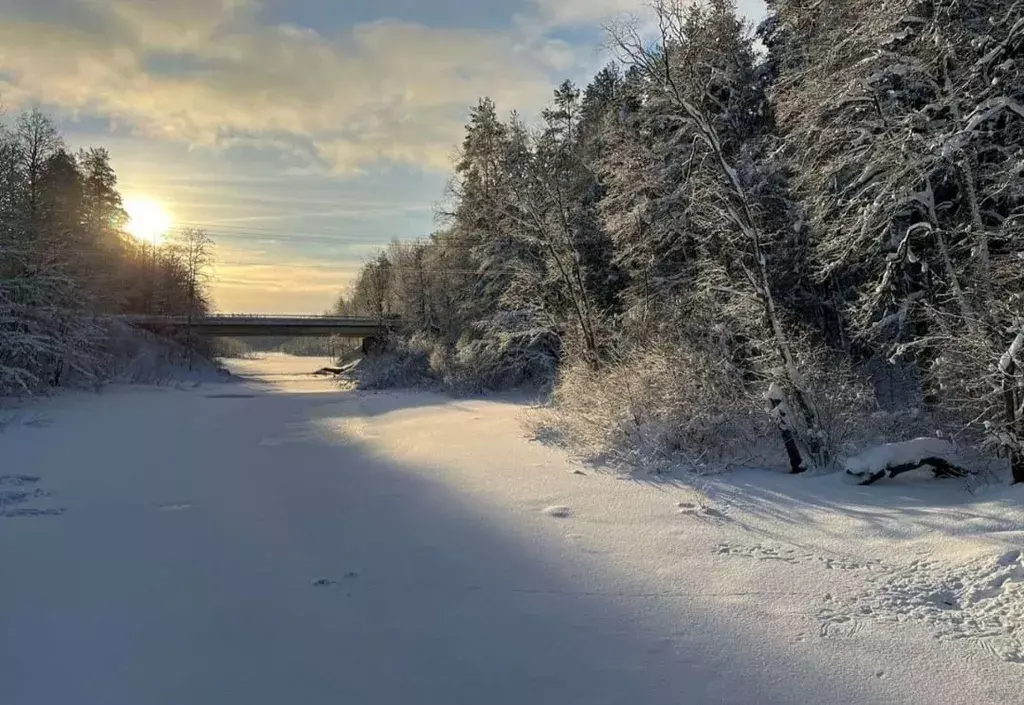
(138, 357)
(892, 455)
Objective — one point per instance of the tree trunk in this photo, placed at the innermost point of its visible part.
(796, 461)
(188, 326)
(1017, 467)
(797, 464)
(1011, 402)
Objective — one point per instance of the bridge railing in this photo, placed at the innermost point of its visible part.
(288, 316)
(257, 318)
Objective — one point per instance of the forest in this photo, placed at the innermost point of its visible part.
(810, 231)
(67, 265)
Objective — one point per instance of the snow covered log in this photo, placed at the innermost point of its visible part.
(898, 458)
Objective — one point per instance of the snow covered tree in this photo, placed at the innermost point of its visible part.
(904, 123)
(703, 100)
(65, 260)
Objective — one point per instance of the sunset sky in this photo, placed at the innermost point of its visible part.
(301, 133)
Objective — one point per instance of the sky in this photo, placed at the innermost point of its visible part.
(302, 134)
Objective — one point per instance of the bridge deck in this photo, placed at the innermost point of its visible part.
(240, 326)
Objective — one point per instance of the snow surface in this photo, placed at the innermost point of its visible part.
(282, 541)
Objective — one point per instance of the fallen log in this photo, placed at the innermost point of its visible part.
(894, 459)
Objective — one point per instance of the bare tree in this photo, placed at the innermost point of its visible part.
(37, 140)
(194, 247)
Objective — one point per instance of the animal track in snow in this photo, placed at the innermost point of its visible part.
(834, 624)
(559, 512)
(982, 600)
(179, 507)
(844, 564)
(29, 512)
(762, 552)
(701, 511)
(17, 480)
(11, 497)
(23, 493)
(766, 552)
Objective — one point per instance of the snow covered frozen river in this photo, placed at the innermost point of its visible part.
(278, 541)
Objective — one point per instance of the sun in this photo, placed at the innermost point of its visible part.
(148, 220)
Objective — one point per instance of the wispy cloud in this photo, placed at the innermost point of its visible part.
(245, 280)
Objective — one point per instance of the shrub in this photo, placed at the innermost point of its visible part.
(661, 406)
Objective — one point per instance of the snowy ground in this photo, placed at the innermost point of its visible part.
(281, 541)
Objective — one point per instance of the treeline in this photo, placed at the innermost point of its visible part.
(67, 264)
(709, 229)
(333, 346)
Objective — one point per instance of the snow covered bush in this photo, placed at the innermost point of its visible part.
(504, 358)
(403, 362)
(499, 359)
(661, 406)
(135, 356)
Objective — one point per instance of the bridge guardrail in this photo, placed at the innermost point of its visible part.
(243, 318)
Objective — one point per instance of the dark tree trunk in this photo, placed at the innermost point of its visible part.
(1013, 423)
(797, 464)
(1017, 467)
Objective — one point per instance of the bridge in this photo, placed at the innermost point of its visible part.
(250, 326)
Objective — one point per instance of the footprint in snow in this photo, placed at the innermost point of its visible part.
(11, 499)
(1008, 559)
(698, 510)
(15, 513)
(180, 507)
(17, 480)
(978, 601)
(559, 512)
(329, 583)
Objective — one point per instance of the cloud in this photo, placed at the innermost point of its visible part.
(207, 73)
(567, 12)
(244, 280)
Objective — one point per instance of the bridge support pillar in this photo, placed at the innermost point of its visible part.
(372, 345)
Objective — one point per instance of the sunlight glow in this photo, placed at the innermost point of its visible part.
(148, 220)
